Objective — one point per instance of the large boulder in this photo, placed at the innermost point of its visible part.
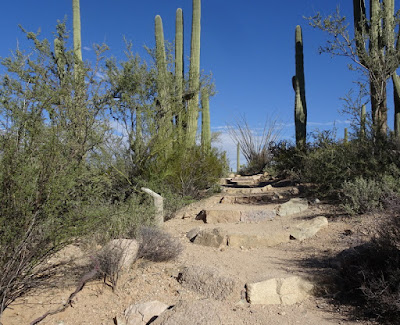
(279, 291)
(309, 228)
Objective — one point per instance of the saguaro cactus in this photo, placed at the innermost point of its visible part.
(363, 119)
(194, 75)
(165, 123)
(77, 29)
(300, 106)
(381, 57)
(179, 72)
(205, 121)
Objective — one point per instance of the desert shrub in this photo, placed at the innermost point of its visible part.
(157, 245)
(191, 171)
(361, 195)
(370, 273)
(287, 160)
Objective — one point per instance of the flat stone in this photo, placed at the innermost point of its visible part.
(191, 234)
(141, 314)
(279, 291)
(211, 237)
(235, 215)
(209, 282)
(257, 215)
(293, 206)
(309, 228)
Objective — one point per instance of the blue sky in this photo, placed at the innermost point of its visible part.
(247, 45)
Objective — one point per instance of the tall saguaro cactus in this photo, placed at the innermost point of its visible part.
(179, 72)
(205, 121)
(300, 107)
(76, 11)
(164, 126)
(194, 75)
(381, 57)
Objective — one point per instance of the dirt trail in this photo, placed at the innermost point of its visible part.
(97, 304)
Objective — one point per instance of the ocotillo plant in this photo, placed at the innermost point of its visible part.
(179, 73)
(194, 75)
(205, 121)
(381, 57)
(300, 106)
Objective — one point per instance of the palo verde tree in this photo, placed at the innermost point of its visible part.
(46, 185)
(374, 49)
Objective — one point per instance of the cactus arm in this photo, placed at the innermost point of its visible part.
(205, 121)
(396, 95)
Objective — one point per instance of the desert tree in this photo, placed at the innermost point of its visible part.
(374, 49)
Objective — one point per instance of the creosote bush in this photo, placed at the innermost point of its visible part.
(157, 245)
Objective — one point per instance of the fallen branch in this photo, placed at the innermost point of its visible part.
(85, 278)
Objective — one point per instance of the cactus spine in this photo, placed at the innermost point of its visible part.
(300, 107)
(205, 121)
(179, 72)
(194, 75)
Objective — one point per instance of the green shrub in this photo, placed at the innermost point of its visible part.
(361, 195)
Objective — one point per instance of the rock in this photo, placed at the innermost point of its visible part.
(191, 234)
(125, 249)
(235, 216)
(199, 312)
(293, 206)
(279, 291)
(317, 201)
(309, 228)
(141, 314)
(220, 216)
(277, 196)
(211, 237)
(257, 215)
(209, 283)
(294, 191)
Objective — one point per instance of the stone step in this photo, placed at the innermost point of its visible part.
(252, 235)
(226, 215)
(247, 190)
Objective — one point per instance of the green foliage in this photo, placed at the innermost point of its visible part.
(328, 163)
(361, 195)
(190, 172)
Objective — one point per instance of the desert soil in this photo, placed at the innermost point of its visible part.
(97, 304)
